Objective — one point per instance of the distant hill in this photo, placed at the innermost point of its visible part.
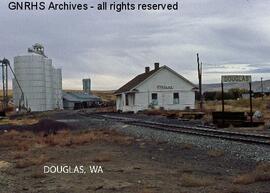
(105, 95)
(256, 86)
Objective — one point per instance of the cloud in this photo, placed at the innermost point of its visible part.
(111, 48)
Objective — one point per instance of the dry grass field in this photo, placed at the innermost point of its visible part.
(105, 95)
(241, 105)
(130, 165)
(10, 93)
(141, 173)
(260, 174)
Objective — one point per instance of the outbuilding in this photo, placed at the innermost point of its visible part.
(161, 87)
(79, 100)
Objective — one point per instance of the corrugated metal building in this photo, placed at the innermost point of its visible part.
(161, 87)
(79, 100)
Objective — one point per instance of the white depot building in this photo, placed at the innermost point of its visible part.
(40, 82)
(161, 87)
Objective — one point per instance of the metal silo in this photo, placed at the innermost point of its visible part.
(87, 85)
(54, 90)
(49, 84)
(59, 97)
(38, 79)
(29, 70)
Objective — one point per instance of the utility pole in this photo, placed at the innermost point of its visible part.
(4, 66)
(262, 92)
(200, 82)
(250, 102)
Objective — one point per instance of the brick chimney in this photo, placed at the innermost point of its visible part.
(147, 69)
(156, 65)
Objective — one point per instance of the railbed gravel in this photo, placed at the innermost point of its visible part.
(236, 149)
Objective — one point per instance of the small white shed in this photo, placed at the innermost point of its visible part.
(160, 87)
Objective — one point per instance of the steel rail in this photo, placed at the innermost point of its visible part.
(191, 130)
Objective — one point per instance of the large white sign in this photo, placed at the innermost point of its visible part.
(235, 78)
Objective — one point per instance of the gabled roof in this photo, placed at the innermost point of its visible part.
(142, 77)
(135, 81)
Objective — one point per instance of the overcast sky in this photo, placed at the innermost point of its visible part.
(232, 36)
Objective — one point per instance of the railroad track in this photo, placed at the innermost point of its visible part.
(199, 130)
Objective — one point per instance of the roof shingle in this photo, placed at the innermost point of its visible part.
(135, 81)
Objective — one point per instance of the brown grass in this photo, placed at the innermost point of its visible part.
(68, 138)
(105, 95)
(23, 121)
(38, 175)
(84, 138)
(63, 138)
(23, 146)
(146, 190)
(189, 180)
(244, 179)
(104, 157)
(154, 112)
(24, 141)
(24, 163)
(260, 174)
(20, 141)
(241, 105)
(215, 153)
(19, 155)
(186, 146)
(10, 139)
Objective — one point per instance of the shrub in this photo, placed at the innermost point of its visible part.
(24, 163)
(189, 180)
(215, 153)
(261, 173)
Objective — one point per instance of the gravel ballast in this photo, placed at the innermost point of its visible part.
(236, 149)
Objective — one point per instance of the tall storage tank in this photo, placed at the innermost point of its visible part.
(39, 81)
(87, 85)
(29, 70)
(59, 88)
(49, 84)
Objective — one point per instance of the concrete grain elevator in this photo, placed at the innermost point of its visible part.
(39, 80)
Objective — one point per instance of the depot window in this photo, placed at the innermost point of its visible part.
(154, 98)
(126, 98)
(176, 98)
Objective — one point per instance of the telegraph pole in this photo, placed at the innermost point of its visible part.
(262, 92)
(200, 82)
(4, 66)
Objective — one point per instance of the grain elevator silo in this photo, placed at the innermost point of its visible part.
(87, 85)
(38, 80)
